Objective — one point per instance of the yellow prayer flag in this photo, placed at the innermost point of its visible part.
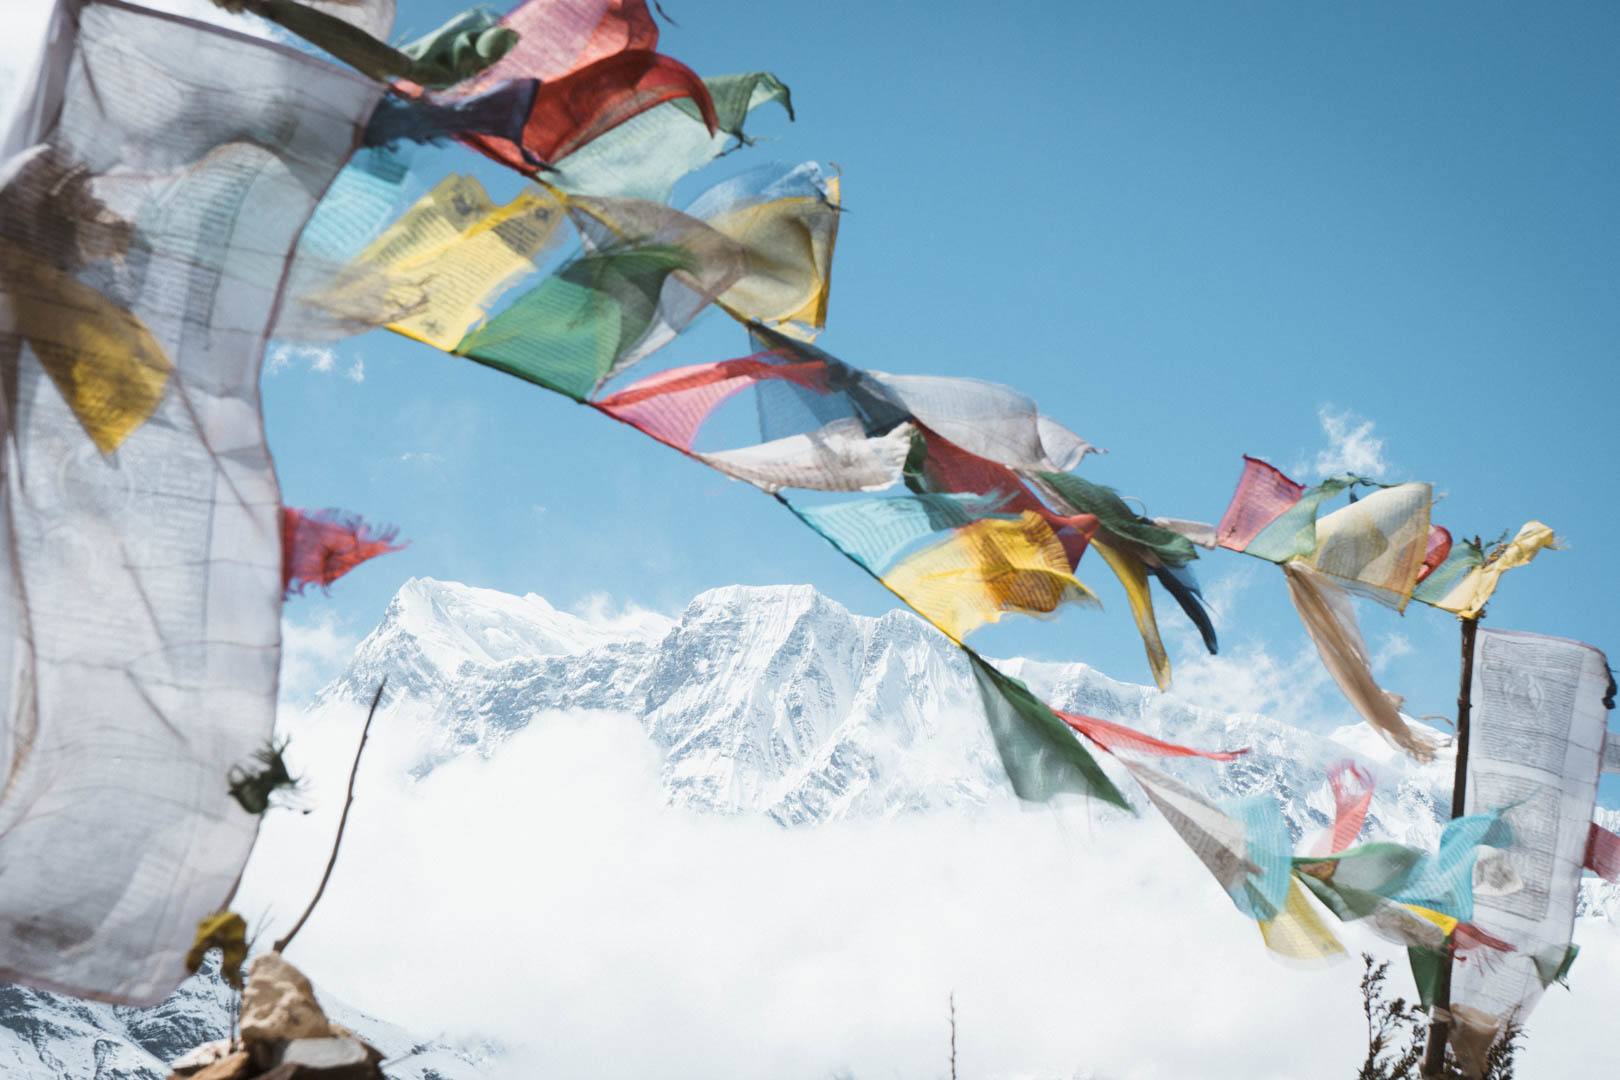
(1470, 595)
(107, 365)
(436, 271)
(790, 244)
(1132, 574)
(986, 568)
(1298, 931)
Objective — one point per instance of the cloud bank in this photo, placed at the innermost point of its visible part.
(548, 899)
(1352, 446)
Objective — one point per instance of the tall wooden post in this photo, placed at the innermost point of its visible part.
(1434, 1056)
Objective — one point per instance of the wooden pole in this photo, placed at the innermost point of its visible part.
(337, 841)
(1434, 1056)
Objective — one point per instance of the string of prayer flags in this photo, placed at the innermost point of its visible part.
(1464, 582)
(141, 588)
(318, 547)
(1377, 547)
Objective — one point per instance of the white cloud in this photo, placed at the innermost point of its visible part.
(549, 899)
(600, 609)
(320, 359)
(313, 652)
(1352, 446)
(421, 457)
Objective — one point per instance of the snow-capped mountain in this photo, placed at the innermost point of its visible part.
(777, 700)
(773, 701)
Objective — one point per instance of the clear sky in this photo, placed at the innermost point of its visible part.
(1189, 231)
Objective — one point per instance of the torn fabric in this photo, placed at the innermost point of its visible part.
(1325, 610)
(140, 592)
(318, 547)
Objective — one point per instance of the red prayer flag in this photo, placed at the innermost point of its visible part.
(1113, 737)
(1263, 495)
(1603, 853)
(321, 546)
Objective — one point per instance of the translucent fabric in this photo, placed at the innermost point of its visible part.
(1220, 840)
(1116, 738)
(988, 420)
(1376, 546)
(1136, 549)
(556, 37)
(1043, 758)
(645, 273)
(762, 271)
(1263, 494)
(838, 456)
(1330, 619)
(597, 68)
(875, 532)
(438, 269)
(140, 591)
(570, 112)
(579, 325)
(1539, 717)
(501, 112)
(1272, 517)
(986, 569)
(673, 405)
(937, 464)
(786, 219)
(645, 157)
(1352, 788)
(1298, 932)
(1133, 575)
(1169, 548)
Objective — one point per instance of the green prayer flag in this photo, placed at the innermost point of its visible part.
(1042, 756)
(567, 333)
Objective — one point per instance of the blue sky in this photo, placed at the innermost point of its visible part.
(1189, 233)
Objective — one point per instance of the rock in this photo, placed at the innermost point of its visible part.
(342, 1058)
(234, 1066)
(334, 1059)
(278, 1005)
(195, 1060)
